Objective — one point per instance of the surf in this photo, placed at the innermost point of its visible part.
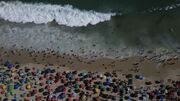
(40, 13)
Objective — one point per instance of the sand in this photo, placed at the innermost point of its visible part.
(162, 70)
(168, 69)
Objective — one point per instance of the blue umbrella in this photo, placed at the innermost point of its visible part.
(62, 96)
(16, 86)
(13, 100)
(8, 64)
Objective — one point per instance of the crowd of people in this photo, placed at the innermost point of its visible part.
(19, 83)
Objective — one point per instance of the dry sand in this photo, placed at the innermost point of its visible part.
(168, 69)
(141, 65)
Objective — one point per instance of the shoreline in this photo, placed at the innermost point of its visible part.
(143, 65)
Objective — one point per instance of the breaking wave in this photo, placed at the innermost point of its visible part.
(40, 13)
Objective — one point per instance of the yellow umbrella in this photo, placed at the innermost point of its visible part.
(13, 70)
(28, 86)
(97, 90)
(4, 87)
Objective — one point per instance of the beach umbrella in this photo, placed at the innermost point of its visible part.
(26, 99)
(114, 98)
(28, 86)
(100, 86)
(3, 86)
(16, 86)
(41, 84)
(22, 81)
(71, 95)
(46, 93)
(41, 90)
(129, 76)
(106, 83)
(22, 95)
(76, 86)
(77, 90)
(48, 70)
(60, 89)
(109, 79)
(101, 76)
(104, 77)
(74, 94)
(140, 77)
(178, 92)
(5, 99)
(7, 94)
(10, 65)
(2, 92)
(34, 91)
(62, 96)
(96, 90)
(81, 86)
(96, 86)
(28, 95)
(7, 63)
(115, 89)
(48, 98)
(128, 98)
(74, 72)
(13, 70)
(48, 81)
(10, 88)
(114, 80)
(53, 71)
(13, 100)
(68, 99)
(84, 98)
(148, 83)
(107, 88)
(130, 81)
(47, 87)
(103, 88)
(103, 95)
(9, 81)
(75, 99)
(122, 99)
(96, 99)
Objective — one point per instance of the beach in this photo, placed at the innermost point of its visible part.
(124, 70)
(89, 50)
(144, 65)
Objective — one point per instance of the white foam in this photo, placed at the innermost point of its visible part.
(41, 37)
(169, 7)
(43, 13)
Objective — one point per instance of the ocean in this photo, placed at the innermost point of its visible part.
(104, 27)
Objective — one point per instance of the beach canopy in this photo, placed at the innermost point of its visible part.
(28, 86)
(13, 100)
(16, 86)
(8, 64)
(59, 89)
